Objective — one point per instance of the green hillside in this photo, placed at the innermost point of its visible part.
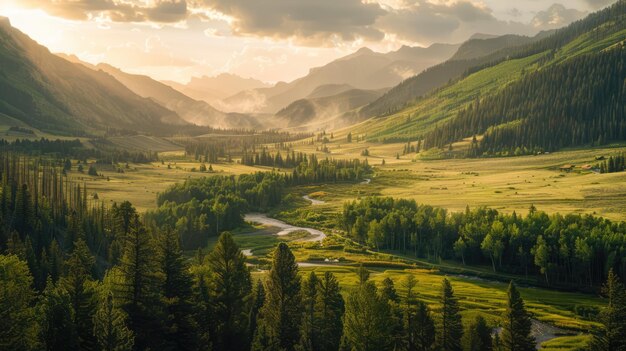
(54, 95)
(555, 57)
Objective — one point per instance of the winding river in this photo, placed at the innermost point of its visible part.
(283, 227)
(314, 202)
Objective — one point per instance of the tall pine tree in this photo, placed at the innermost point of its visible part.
(230, 287)
(612, 336)
(281, 314)
(516, 324)
(451, 328)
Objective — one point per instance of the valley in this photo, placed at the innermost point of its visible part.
(459, 196)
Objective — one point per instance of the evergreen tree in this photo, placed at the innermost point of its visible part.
(81, 290)
(281, 314)
(309, 294)
(516, 324)
(478, 336)
(258, 298)
(451, 328)
(329, 310)
(366, 321)
(17, 316)
(612, 336)
(230, 286)
(180, 329)
(424, 330)
(54, 310)
(138, 287)
(110, 328)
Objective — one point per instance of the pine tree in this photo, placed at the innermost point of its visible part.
(478, 336)
(389, 293)
(258, 298)
(230, 287)
(180, 329)
(17, 326)
(281, 314)
(451, 329)
(516, 324)
(309, 294)
(110, 328)
(423, 329)
(366, 321)
(329, 310)
(612, 336)
(57, 329)
(138, 286)
(81, 290)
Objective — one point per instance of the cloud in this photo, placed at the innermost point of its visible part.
(310, 22)
(162, 11)
(425, 21)
(555, 16)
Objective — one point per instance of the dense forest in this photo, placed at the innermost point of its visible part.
(558, 106)
(200, 208)
(574, 250)
(75, 274)
(57, 149)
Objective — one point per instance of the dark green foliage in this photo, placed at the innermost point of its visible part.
(522, 116)
(81, 289)
(328, 312)
(366, 320)
(612, 335)
(229, 290)
(478, 336)
(137, 286)
(17, 316)
(516, 324)
(419, 326)
(573, 250)
(54, 310)
(281, 314)
(450, 328)
(110, 328)
(180, 327)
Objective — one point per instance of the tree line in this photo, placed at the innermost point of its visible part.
(200, 208)
(105, 152)
(525, 115)
(571, 250)
(153, 298)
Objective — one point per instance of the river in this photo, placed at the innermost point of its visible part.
(285, 228)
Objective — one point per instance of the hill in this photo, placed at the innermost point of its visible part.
(324, 112)
(213, 89)
(363, 69)
(52, 94)
(563, 90)
(477, 51)
(193, 111)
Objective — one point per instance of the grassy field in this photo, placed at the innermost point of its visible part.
(507, 184)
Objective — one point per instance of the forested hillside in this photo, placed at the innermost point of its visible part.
(566, 89)
(57, 96)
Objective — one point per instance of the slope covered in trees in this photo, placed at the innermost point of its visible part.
(52, 94)
(572, 78)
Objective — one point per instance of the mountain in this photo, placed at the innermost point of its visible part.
(324, 112)
(566, 89)
(193, 111)
(479, 50)
(213, 89)
(52, 94)
(363, 69)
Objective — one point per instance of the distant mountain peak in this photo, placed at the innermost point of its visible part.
(365, 50)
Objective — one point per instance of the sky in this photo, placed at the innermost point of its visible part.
(270, 40)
